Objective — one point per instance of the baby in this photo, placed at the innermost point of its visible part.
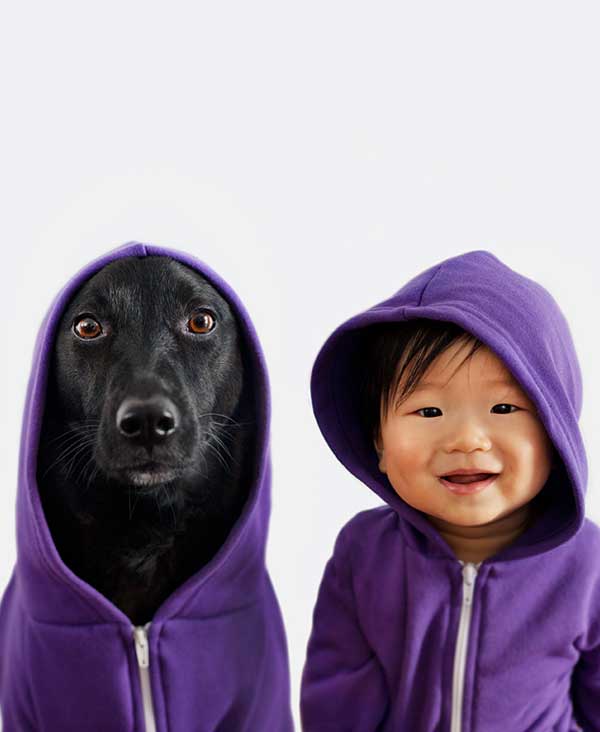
(470, 601)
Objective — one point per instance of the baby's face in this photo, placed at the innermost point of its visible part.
(458, 424)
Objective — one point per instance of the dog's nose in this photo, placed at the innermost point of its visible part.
(146, 420)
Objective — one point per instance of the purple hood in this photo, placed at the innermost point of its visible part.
(216, 648)
(407, 637)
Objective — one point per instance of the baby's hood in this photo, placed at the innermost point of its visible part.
(521, 322)
(52, 592)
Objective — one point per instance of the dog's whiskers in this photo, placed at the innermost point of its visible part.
(77, 428)
(236, 423)
(213, 435)
(72, 442)
(80, 441)
(80, 449)
(93, 473)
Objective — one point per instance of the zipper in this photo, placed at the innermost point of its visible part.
(469, 572)
(142, 649)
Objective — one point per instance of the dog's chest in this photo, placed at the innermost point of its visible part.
(137, 579)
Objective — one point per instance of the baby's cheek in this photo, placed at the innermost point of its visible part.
(399, 435)
(407, 448)
(405, 472)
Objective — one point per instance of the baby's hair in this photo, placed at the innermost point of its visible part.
(390, 349)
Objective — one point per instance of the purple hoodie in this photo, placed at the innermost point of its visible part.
(214, 657)
(406, 637)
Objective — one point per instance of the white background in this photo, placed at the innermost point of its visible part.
(317, 155)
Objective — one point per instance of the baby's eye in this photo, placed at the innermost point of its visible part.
(424, 409)
(504, 405)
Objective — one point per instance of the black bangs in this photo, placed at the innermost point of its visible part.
(389, 350)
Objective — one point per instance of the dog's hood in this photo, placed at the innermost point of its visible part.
(245, 544)
(522, 323)
(218, 636)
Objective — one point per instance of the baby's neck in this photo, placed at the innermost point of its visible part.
(476, 543)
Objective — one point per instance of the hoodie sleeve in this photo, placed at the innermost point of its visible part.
(585, 685)
(343, 686)
(16, 705)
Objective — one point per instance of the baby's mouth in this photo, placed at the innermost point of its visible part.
(472, 478)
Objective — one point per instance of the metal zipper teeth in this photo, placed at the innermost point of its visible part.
(469, 572)
(142, 649)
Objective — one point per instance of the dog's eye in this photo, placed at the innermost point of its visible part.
(87, 327)
(201, 321)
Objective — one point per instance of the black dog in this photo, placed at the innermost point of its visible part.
(147, 438)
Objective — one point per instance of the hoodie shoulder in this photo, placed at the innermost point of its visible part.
(587, 547)
(367, 523)
(580, 555)
(369, 535)
(591, 530)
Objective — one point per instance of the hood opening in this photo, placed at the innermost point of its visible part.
(540, 355)
(242, 552)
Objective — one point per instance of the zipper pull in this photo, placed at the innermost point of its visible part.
(469, 572)
(142, 650)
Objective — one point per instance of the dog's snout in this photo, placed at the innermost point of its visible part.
(147, 420)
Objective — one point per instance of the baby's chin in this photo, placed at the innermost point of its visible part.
(481, 517)
(465, 510)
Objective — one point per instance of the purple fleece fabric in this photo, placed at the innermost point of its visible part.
(386, 652)
(218, 652)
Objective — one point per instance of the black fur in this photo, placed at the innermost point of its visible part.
(137, 543)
